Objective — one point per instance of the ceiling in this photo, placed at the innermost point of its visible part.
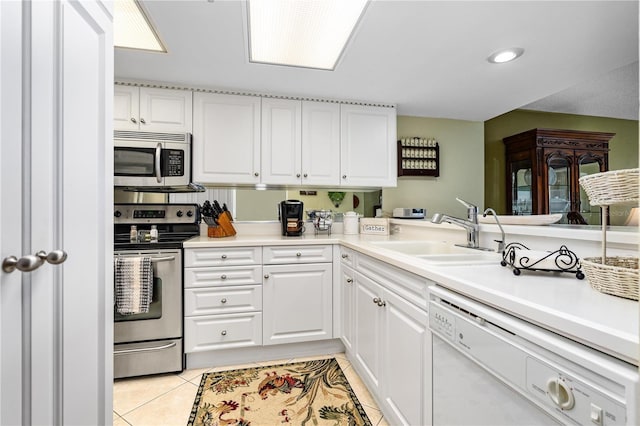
(426, 57)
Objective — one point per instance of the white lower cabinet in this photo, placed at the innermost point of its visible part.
(222, 298)
(297, 303)
(347, 313)
(391, 343)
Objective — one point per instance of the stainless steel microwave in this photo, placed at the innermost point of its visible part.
(146, 161)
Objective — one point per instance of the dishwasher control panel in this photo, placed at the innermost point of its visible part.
(572, 398)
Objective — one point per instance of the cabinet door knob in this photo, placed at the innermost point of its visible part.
(224, 300)
(382, 303)
(223, 277)
(376, 300)
(305, 175)
(142, 121)
(344, 176)
(256, 174)
(298, 254)
(224, 332)
(133, 120)
(266, 276)
(349, 280)
(224, 256)
(344, 255)
(297, 174)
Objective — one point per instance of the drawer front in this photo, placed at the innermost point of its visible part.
(230, 256)
(215, 332)
(347, 257)
(411, 287)
(235, 275)
(222, 300)
(275, 255)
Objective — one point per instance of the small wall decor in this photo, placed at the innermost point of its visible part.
(336, 198)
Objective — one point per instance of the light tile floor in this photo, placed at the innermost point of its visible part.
(167, 399)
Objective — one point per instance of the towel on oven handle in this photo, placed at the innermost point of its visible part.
(133, 284)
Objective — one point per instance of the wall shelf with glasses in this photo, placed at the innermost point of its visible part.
(418, 157)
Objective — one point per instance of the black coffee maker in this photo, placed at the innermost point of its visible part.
(290, 214)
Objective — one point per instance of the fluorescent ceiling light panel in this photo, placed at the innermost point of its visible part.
(132, 29)
(301, 33)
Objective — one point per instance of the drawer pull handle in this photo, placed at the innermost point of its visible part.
(224, 332)
(344, 256)
(349, 280)
(266, 275)
(223, 277)
(223, 301)
(298, 254)
(224, 256)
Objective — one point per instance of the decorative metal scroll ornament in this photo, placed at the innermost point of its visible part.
(519, 257)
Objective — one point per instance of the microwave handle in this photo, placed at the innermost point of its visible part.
(158, 165)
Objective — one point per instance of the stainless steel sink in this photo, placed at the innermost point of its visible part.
(440, 253)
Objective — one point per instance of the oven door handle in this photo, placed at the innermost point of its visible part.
(163, 259)
(152, 348)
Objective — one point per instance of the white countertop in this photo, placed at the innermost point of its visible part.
(556, 301)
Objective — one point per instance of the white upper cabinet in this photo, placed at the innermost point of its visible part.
(320, 143)
(152, 110)
(281, 141)
(300, 142)
(368, 145)
(226, 139)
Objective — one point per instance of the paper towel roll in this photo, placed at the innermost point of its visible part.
(535, 259)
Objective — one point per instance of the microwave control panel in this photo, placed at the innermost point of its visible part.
(172, 162)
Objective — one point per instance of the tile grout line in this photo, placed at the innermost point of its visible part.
(153, 399)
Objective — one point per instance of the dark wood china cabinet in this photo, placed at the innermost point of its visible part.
(543, 168)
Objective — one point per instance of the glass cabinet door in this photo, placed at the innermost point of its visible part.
(559, 185)
(588, 165)
(521, 184)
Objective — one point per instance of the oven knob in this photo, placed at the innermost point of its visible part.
(189, 213)
(117, 213)
(179, 213)
(560, 393)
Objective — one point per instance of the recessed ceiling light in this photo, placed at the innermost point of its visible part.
(309, 34)
(132, 29)
(505, 55)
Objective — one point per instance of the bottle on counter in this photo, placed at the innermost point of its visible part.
(133, 234)
(153, 234)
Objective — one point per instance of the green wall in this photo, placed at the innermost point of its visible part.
(461, 168)
(623, 147)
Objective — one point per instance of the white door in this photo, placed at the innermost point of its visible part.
(407, 353)
(368, 146)
(281, 141)
(165, 110)
(226, 138)
(297, 302)
(368, 326)
(320, 143)
(56, 86)
(126, 108)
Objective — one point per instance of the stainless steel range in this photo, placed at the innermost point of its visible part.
(150, 342)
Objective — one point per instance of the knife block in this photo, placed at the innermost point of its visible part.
(223, 229)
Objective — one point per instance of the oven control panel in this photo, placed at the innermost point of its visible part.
(155, 213)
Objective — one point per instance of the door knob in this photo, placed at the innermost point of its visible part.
(54, 257)
(32, 262)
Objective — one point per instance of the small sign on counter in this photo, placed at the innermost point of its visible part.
(375, 226)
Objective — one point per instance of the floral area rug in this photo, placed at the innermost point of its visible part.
(303, 393)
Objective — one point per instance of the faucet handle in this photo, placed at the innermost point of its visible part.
(466, 204)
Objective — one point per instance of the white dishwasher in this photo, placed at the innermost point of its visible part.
(491, 368)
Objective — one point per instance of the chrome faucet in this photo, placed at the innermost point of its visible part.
(500, 242)
(470, 224)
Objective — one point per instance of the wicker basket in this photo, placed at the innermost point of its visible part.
(609, 188)
(618, 276)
